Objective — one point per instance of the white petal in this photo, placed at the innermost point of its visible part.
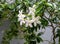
(18, 15)
(23, 15)
(34, 6)
(18, 19)
(19, 11)
(21, 23)
(38, 22)
(26, 25)
(29, 8)
(35, 24)
(30, 25)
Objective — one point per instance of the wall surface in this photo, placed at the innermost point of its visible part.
(3, 27)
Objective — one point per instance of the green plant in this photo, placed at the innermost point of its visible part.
(42, 12)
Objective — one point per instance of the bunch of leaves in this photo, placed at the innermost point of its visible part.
(32, 37)
(10, 11)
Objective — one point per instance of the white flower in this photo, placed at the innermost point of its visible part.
(29, 22)
(32, 10)
(21, 22)
(36, 20)
(21, 17)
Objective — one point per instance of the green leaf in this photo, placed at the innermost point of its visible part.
(58, 32)
(12, 6)
(1, 9)
(26, 43)
(48, 4)
(39, 34)
(39, 39)
(26, 2)
(44, 22)
(39, 10)
(32, 42)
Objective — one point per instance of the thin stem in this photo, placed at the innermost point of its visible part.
(53, 31)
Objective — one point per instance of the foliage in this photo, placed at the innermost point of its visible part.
(48, 11)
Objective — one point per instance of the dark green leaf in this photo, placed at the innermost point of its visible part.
(39, 34)
(39, 39)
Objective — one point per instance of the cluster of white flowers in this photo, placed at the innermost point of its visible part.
(24, 19)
